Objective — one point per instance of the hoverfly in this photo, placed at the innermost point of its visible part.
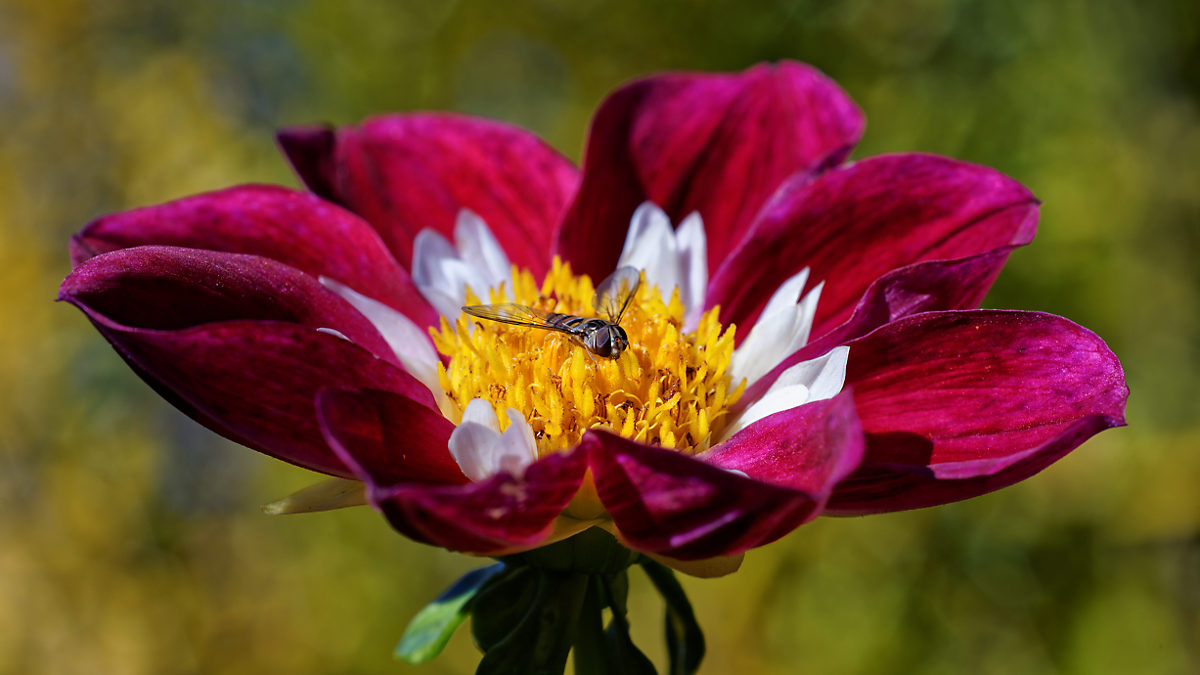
(602, 337)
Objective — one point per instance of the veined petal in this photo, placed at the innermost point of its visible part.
(956, 404)
(233, 342)
(502, 513)
(405, 173)
(671, 504)
(255, 382)
(291, 227)
(387, 438)
(771, 450)
(716, 144)
(857, 223)
(172, 288)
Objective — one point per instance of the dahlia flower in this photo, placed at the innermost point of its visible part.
(804, 339)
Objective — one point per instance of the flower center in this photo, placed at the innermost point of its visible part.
(668, 388)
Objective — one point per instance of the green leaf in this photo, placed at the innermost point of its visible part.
(685, 640)
(628, 659)
(431, 628)
(607, 652)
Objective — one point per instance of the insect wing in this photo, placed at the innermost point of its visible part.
(511, 313)
(614, 293)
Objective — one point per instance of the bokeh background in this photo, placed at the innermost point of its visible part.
(131, 539)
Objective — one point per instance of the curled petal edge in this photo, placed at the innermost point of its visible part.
(958, 404)
(501, 514)
(670, 504)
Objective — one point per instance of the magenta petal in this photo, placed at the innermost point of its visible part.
(502, 513)
(716, 144)
(956, 404)
(171, 288)
(807, 448)
(312, 151)
(402, 455)
(232, 340)
(404, 173)
(292, 227)
(857, 223)
(387, 438)
(256, 381)
(672, 504)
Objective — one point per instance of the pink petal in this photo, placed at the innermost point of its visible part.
(716, 144)
(292, 227)
(807, 448)
(404, 173)
(956, 404)
(255, 382)
(387, 438)
(668, 503)
(855, 224)
(171, 288)
(251, 380)
(500, 513)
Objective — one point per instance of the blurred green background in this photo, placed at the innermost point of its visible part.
(131, 539)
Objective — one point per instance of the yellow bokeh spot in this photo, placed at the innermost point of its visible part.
(668, 388)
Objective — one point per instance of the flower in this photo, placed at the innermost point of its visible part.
(805, 340)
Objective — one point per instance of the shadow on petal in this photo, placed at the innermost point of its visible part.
(399, 448)
(764, 482)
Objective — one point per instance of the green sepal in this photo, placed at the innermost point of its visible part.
(685, 640)
(526, 622)
(529, 611)
(502, 605)
(430, 630)
(592, 551)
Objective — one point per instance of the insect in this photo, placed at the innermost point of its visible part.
(602, 337)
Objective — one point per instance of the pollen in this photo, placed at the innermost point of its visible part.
(669, 388)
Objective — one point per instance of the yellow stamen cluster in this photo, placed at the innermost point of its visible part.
(668, 388)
